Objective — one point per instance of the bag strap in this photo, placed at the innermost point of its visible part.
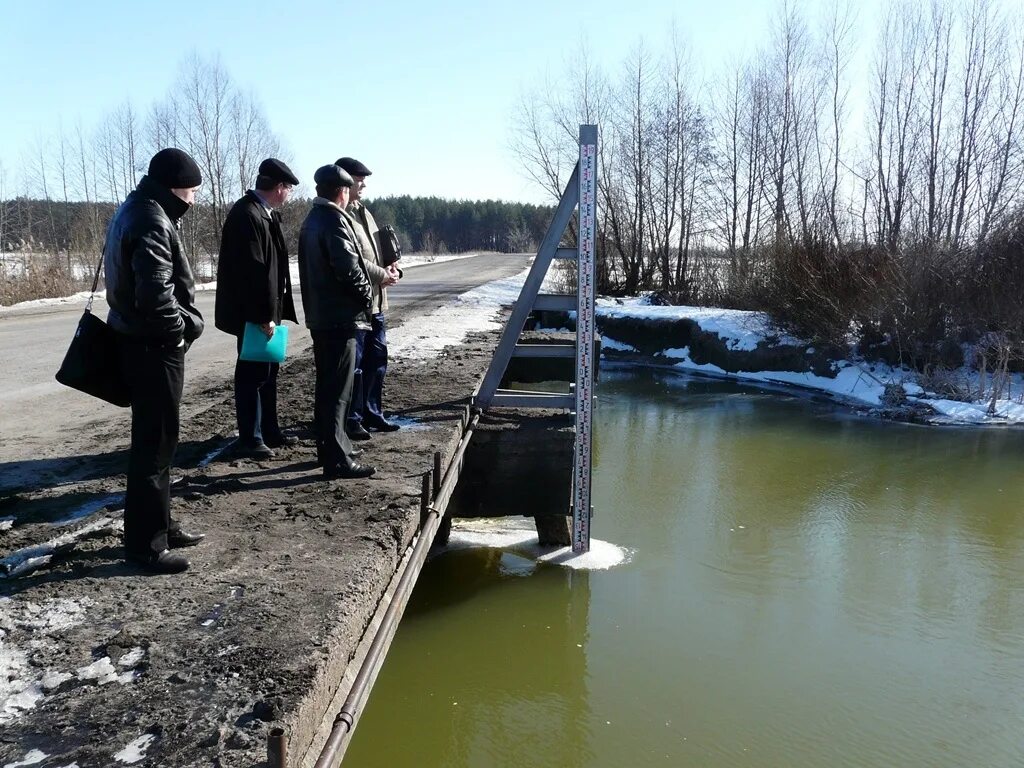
(95, 282)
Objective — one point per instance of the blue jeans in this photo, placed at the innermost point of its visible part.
(371, 366)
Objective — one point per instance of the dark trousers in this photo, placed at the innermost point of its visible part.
(155, 376)
(334, 353)
(371, 367)
(256, 399)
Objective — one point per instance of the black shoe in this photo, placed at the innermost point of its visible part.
(357, 432)
(160, 562)
(351, 454)
(178, 538)
(382, 425)
(254, 449)
(348, 471)
(280, 441)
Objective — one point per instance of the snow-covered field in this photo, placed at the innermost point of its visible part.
(407, 262)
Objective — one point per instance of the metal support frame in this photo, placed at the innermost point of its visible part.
(581, 193)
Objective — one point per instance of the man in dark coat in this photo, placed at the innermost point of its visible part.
(336, 298)
(254, 286)
(152, 309)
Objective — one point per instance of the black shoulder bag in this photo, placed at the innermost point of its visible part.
(390, 248)
(92, 363)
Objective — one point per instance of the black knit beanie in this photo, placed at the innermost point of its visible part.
(175, 169)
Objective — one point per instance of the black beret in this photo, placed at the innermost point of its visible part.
(275, 169)
(175, 169)
(332, 177)
(353, 166)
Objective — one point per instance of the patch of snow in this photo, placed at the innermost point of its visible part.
(53, 680)
(32, 758)
(742, 330)
(855, 383)
(424, 337)
(408, 424)
(6, 523)
(89, 507)
(22, 686)
(29, 558)
(103, 672)
(618, 346)
(75, 298)
(419, 259)
(136, 750)
(133, 657)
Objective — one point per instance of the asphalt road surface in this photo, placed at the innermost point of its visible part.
(38, 415)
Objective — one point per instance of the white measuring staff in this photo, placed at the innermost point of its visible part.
(585, 334)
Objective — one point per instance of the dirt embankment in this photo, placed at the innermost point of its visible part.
(193, 670)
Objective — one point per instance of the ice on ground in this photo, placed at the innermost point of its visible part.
(132, 658)
(407, 423)
(6, 523)
(84, 510)
(28, 558)
(32, 758)
(519, 543)
(103, 672)
(31, 625)
(135, 751)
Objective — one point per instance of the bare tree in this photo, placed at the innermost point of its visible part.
(250, 137)
(895, 111)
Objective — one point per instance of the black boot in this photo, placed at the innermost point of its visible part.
(159, 562)
(348, 470)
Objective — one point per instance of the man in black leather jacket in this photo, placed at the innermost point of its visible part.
(152, 308)
(336, 298)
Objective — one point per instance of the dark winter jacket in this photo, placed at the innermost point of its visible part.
(149, 281)
(253, 284)
(332, 277)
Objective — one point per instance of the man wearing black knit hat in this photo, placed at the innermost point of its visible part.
(367, 408)
(152, 309)
(254, 286)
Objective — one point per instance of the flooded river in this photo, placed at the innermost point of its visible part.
(802, 588)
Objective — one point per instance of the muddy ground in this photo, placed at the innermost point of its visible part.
(193, 670)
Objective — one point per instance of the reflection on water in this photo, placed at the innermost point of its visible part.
(807, 588)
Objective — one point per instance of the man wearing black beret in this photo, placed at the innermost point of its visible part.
(336, 297)
(152, 309)
(367, 408)
(254, 286)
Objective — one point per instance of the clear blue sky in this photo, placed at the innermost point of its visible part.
(423, 93)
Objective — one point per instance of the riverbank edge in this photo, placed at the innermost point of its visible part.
(774, 362)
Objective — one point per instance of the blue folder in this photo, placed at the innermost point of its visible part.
(257, 348)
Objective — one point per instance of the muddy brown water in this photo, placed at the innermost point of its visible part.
(806, 588)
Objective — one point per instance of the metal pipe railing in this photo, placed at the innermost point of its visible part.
(344, 721)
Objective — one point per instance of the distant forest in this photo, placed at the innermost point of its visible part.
(50, 247)
(72, 229)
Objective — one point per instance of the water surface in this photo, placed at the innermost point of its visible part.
(805, 588)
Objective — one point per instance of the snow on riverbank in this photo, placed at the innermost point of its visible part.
(856, 382)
